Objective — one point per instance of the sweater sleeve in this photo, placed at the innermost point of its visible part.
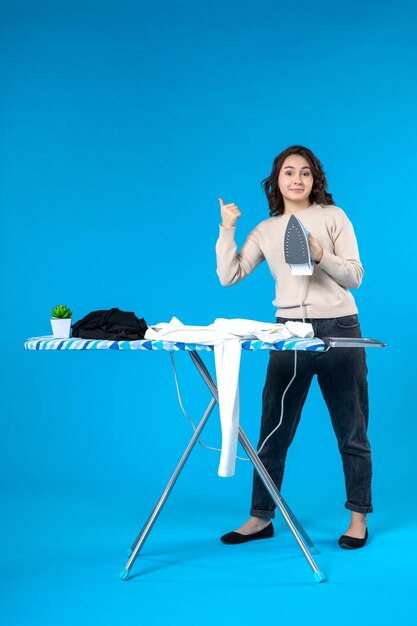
(344, 265)
(232, 267)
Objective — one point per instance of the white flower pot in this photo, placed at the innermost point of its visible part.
(61, 328)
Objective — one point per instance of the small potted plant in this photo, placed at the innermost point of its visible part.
(61, 321)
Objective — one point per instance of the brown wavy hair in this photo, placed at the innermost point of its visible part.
(319, 193)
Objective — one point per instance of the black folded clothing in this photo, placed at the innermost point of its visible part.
(110, 324)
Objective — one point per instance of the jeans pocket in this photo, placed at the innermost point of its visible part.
(347, 321)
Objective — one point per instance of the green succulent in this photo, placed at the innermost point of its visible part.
(61, 312)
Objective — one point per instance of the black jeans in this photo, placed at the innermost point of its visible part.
(341, 374)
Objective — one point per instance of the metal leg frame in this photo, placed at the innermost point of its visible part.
(306, 544)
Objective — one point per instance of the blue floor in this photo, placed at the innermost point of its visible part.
(62, 554)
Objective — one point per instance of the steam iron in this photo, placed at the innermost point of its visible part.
(296, 248)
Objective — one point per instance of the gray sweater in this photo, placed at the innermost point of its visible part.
(326, 291)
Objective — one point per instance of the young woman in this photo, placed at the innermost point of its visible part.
(297, 184)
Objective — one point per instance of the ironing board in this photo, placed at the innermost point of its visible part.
(314, 345)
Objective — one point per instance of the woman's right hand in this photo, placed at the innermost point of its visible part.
(230, 214)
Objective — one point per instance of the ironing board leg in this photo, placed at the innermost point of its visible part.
(141, 538)
(311, 546)
(298, 531)
(213, 388)
(276, 496)
(296, 528)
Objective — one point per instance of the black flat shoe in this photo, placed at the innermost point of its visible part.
(235, 537)
(351, 543)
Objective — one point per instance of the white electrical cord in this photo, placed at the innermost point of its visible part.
(302, 298)
(282, 404)
(270, 434)
(171, 354)
(295, 373)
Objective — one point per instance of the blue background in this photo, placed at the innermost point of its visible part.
(121, 124)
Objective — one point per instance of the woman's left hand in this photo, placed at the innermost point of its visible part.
(315, 248)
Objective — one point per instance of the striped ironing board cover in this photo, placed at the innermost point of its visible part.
(75, 343)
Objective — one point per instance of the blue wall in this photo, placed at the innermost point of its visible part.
(121, 123)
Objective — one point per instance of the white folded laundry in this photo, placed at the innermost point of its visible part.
(226, 336)
(222, 329)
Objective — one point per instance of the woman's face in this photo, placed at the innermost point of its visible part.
(295, 179)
